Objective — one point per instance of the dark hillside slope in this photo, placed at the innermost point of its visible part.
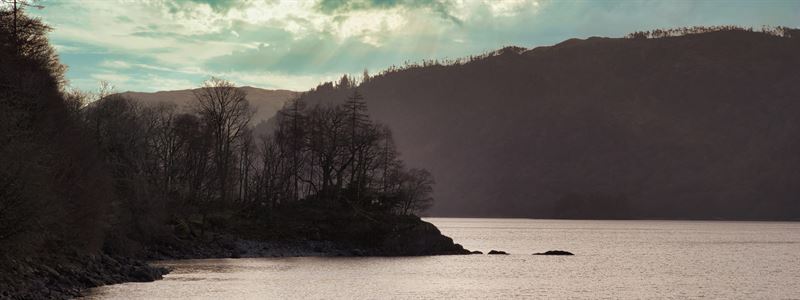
(697, 126)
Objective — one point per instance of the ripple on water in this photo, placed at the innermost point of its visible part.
(616, 260)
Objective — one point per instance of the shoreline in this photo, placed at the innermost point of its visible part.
(31, 279)
(623, 219)
(71, 274)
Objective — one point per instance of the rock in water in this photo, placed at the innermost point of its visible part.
(554, 252)
(498, 252)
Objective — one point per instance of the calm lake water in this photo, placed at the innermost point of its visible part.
(614, 259)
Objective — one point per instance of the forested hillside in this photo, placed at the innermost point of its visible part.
(684, 123)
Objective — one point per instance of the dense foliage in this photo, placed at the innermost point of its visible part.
(52, 186)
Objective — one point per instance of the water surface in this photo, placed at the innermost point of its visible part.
(614, 259)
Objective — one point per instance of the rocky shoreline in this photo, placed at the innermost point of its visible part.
(420, 238)
(68, 275)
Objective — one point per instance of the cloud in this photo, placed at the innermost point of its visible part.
(160, 44)
(111, 77)
(309, 55)
(272, 80)
(442, 8)
(66, 48)
(221, 6)
(115, 64)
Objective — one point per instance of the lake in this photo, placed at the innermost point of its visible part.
(614, 260)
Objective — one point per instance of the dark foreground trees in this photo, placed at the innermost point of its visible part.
(52, 186)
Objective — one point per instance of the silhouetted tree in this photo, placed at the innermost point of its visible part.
(52, 187)
(359, 141)
(416, 191)
(365, 76)
(290, 136)
(225, 110)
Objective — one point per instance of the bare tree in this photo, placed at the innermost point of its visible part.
(166, 144)
(359, 140)
(416, 191)
(291, 135)
(225, 110)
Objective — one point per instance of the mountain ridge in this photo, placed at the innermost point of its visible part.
(629, 98)
(698, 126)
(267, 102)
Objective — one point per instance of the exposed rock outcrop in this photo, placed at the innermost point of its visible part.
(65, 276)
(422, 238)
(554, 252)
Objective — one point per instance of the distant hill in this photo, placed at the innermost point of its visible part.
(697, 126)
(267, 102)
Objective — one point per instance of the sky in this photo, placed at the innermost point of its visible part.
(142, 45)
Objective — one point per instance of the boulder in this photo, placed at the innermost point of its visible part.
(497, 252)
(554, 252)
(476, 252)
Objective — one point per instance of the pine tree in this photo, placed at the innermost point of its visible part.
(358, 120)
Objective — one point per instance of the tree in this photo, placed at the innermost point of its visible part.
(166, 144)
(416, 190)
(326, 145)
(246, 149)
(365, 76)
(271, 183)
(226, 112)
(345, 82)
(194, 186)
(53, 185)
(359, 140)
(127, 134)
(27, 37)
(290, 136)
(388, 158)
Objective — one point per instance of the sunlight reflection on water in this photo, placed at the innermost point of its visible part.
(614, 259)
